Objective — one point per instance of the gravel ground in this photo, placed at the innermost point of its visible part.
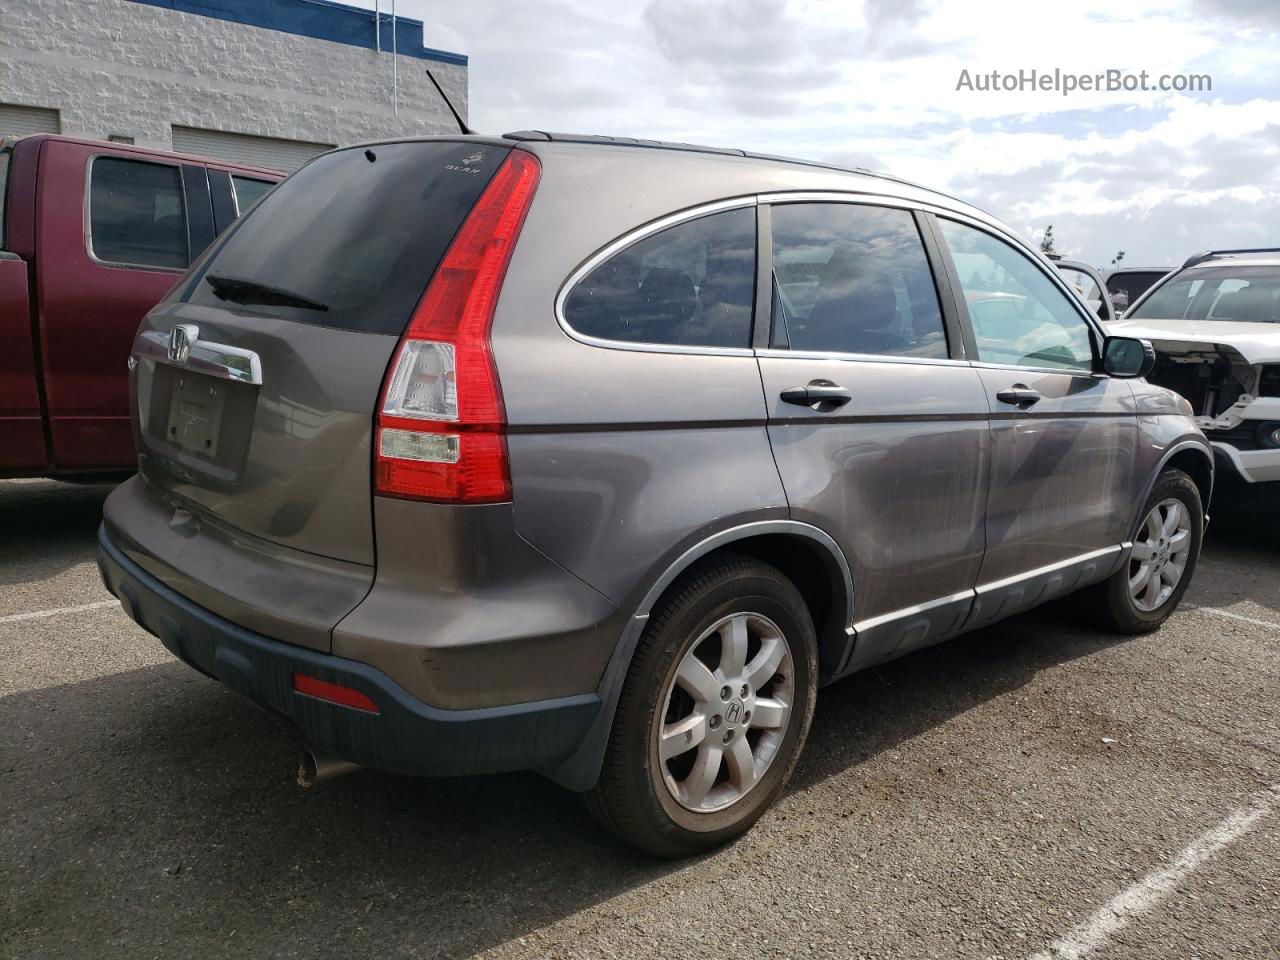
(980, 799)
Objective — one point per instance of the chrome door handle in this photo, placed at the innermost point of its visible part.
(822, 395)
(1020, 395)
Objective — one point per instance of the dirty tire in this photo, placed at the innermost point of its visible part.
(632, 799)
(1111, 604)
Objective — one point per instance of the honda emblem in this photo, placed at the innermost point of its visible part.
(181, 339)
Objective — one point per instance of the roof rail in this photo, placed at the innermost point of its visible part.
(1215, 254)
(724, 151)
(619, 142)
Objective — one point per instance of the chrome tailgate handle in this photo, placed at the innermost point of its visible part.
(182, 347)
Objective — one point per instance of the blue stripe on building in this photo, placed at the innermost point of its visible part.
(320, 20)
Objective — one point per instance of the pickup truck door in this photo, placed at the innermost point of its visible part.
(22, 447)
(21, 431)
(117, 230)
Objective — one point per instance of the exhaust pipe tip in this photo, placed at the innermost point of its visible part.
(317, 767)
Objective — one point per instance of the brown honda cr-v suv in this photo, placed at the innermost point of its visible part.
(599, 458)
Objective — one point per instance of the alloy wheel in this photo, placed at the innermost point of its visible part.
(1160, 553)
(725, 712)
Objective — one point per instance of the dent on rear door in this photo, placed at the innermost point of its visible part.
(899, 478)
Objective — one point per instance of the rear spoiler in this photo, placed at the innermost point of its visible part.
(1215, 254)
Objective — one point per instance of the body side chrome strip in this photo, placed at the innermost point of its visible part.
(1049, 568)
(901, 614)
(872, 622)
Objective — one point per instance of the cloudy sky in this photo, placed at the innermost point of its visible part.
(873, 83)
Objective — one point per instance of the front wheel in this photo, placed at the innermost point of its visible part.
(714, 711)
(1148, 588)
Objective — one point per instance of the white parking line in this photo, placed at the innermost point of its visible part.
(1235, 616)
(1154, 887)
(57, 611)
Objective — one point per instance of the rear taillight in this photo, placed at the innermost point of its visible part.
(441, 424)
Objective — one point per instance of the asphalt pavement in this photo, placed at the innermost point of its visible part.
(1034, 790)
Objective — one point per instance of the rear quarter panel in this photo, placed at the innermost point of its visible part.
(622, 458)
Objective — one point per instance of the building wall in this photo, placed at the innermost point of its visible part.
(124, 68)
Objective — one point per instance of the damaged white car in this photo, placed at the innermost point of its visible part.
(1215, 325)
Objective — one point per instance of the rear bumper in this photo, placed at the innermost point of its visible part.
(406, 735)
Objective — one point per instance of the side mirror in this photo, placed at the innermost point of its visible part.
(1128, 357)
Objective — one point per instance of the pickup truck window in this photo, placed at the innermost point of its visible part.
(136, 214)
(248, 192)
(4, 183)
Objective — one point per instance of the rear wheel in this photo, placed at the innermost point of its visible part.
(714, 710)
(1148, 588)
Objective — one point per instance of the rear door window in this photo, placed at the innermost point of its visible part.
(851, 278)
(248, 192)
(137, 216)
(351, 239)
(691, 285)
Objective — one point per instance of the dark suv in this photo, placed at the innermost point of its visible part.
(599, 458)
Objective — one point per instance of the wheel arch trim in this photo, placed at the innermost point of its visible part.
(580, 771)
(1174, 449)
(746, 531)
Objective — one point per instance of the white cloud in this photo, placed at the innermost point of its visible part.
(1157, 174)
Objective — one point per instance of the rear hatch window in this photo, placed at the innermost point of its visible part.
(259, 410)
(352, 238)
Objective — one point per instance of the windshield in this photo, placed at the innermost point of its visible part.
(1238, 293)
(351, 239)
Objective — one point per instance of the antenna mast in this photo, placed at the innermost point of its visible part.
(448, 103)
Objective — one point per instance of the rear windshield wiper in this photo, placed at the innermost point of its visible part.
(238, 290)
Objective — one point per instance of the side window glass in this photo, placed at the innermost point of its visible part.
(850, 278)
(248, 192)
(1019, 316)
(4, 181)
(692, 284)
(136, 213)
(1083, 283)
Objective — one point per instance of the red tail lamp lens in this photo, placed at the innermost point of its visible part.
(441, 423)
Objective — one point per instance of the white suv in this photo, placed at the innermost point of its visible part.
(1216, 328)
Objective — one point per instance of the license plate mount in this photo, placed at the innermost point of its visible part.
(195, 414)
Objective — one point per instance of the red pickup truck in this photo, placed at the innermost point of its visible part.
(92, 235)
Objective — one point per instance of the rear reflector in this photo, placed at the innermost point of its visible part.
(441, 422)
(333, 693)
